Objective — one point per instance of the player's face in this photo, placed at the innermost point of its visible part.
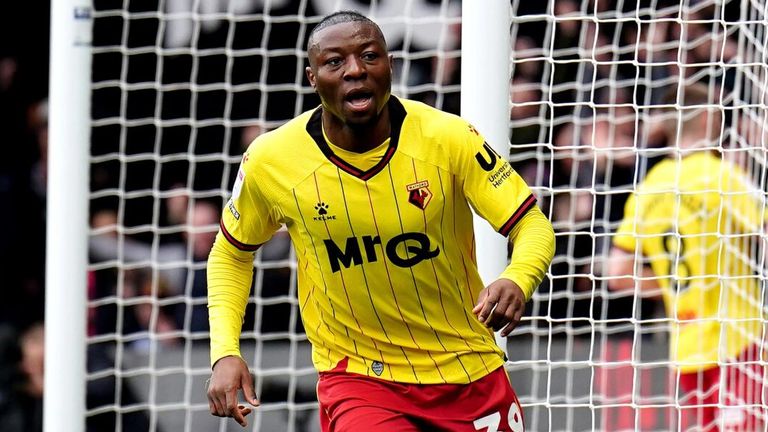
(351, 71)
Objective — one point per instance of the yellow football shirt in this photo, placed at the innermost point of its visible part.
(384, 240)
(694, 220)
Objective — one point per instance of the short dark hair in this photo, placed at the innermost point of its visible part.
(339, 17)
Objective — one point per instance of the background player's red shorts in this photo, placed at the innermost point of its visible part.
(740, 408)
(355, 403)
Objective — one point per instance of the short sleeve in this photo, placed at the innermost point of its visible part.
(494, 189)
(248, 220)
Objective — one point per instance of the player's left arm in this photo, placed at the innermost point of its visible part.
(500, 196)
(502, 303)
(743, 202)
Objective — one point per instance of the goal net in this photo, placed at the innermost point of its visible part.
(180, 87)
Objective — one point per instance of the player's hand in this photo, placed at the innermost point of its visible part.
(500, 306)
(230, 375)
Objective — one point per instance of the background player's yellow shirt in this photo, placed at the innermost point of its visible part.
(386, 260)
(694, 220)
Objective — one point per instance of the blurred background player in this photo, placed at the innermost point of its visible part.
(689, 229)
(378, 208)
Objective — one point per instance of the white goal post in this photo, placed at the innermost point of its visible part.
(153, 102)
(67, 213)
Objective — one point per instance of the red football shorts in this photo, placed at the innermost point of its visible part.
(726, 398)
(355, 403)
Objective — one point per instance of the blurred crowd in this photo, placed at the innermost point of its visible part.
(600, 85)
(582, 129)
(23, 140)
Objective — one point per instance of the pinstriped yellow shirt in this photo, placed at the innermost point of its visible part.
(692, 218)
(386, 261)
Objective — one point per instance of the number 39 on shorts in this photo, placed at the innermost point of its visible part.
(491, 422)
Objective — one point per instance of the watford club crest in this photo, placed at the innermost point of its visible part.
(419, 194)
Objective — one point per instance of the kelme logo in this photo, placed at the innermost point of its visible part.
(322, 212)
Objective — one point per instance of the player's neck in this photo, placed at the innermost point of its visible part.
(695, 145)
(357, 138)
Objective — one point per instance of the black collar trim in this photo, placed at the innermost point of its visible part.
(397, 115)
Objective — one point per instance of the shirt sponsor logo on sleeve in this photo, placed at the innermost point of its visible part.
(238, 183)
(500, 175)
(487, 161)
(233, 210)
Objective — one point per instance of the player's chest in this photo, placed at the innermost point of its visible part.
(401, 199)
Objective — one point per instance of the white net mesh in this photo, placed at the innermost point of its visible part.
(180, 87)
(598, 73)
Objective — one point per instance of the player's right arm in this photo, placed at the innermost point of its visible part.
(623, 270)
(248, 221)
(623, 276)
(229, 274)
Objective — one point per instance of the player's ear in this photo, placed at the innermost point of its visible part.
(310, 76)
(391, 62)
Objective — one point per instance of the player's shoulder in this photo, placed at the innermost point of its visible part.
(282, 158)
(293, 132)
(433, 122)
(660, 171)
(432, 135)
(706, 170)
(281, 145)
(703, 171)
(703, 162)
(683, 169)
(436, 136)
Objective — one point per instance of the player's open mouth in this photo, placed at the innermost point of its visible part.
(359, 100)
